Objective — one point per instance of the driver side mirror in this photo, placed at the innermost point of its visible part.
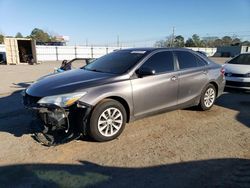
(145, 71)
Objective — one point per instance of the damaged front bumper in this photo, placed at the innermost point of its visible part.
(54, 118)
(55, 125)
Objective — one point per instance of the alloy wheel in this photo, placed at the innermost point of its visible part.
(209, 97)
(110, 122)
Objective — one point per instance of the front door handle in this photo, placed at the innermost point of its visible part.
(174, 78)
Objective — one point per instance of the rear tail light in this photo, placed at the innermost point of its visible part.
(222, 71)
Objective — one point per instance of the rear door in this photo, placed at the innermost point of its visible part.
(159, 91)
(192, 76)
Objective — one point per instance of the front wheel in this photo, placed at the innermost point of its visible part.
(107, 120)
(207, 97)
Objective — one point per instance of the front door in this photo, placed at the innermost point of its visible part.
(159, 91)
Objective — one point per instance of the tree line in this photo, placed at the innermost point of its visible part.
(196, 41)
(37, 34)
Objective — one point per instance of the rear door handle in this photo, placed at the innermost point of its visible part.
(174, 78)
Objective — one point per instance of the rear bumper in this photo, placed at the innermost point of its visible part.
(221, 86)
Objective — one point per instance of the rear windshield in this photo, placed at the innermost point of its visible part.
(116, 62)
(242, 59)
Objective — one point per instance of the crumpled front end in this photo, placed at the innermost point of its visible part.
(53, 124)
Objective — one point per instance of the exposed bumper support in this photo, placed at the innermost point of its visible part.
(58, 125)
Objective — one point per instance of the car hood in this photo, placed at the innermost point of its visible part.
(237, 69)
(68, 82)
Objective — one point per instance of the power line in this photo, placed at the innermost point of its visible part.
(238, 34)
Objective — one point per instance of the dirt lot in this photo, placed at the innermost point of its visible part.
(183, 148)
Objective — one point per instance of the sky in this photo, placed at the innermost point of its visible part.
(136, 22)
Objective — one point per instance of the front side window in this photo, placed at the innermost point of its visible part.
(160, 62)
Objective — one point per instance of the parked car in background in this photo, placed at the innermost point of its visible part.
(73, 64)
(237, 71)
(123, 86)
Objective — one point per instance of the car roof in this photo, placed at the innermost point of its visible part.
(155, 49)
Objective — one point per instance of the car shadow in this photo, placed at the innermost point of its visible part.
(14, 118)
(21, 85)
(238, 100)
(222, 173)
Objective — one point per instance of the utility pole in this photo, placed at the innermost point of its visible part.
(87, 42)
(173, 37)
(118, 41)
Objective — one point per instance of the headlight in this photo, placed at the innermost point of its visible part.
(63, 100)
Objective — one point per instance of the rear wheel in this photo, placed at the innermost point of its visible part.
(208, 97)
(107, 120)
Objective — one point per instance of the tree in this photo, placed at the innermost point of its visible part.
(179, 41)
(1, 38)
(226, 41)
(39, 35)
(189, 43)
(164, 43)
(209, 41)
(19, 35)
(160, 44)
(245, 43)
(236, 42)
(196, 40)
(218, 42)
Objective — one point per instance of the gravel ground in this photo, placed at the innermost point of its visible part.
(183, 148)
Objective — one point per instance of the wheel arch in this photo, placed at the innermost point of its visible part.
(216, 86)
(122, 101)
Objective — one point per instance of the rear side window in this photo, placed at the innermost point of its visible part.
(188, 60)
(160, 62)
(200, 61)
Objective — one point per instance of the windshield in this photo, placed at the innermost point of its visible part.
(242, 59)
(116, 62)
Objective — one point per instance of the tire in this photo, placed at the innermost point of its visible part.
(107, 120)
(208, 97)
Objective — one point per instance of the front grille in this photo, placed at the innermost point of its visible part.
(235, 75)
(238, 84)
(30, 101)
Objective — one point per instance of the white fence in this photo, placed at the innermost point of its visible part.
(2, 48)
(55, 53)
(58, 53)
(209, 51)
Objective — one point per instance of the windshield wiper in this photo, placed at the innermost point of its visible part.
(94, 70)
